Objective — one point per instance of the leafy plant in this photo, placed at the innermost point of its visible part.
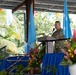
(36, 57)
(70, 50)
(12, 35)
(50, 68)
(17, 69)
(3, 73)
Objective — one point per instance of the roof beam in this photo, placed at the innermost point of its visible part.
(67, 0)
(18, 6)
(9, 3)
(56, 4)
(5, 7)
(49, 2)
(55, 10)
(53, 7)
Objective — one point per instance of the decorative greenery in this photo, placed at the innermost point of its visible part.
(50, 68)
(18, 69)
(70, 51)
(43, 23)
(3, 73)
(11, 36)
(36, 57)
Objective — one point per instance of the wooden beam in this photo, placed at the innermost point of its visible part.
(33, 5)
(28, 5)
(17, 7)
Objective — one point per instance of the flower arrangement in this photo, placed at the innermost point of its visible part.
(36, 57)
(70, 50)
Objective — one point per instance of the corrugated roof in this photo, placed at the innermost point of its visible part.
(55, 5)
(41, 5)
(10, 4)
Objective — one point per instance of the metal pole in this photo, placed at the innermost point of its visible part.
(25, 28)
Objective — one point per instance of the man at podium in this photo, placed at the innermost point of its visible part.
(58, 34)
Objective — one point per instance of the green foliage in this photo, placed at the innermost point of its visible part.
(43, 23)
(73, 44)
(12, 34)
(2, 72)
(36, 57)
(66, 62)
(8, 32)
(50, 68)
(41, 53)
(73, 26)
(10, 46)
(18, 69)
(20, 15)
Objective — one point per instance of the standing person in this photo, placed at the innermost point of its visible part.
(58, 34)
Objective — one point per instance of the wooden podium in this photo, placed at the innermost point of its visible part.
(48, 43)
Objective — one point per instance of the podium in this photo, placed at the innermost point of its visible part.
(48, 43)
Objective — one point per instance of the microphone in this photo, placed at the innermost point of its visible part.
(53, 29)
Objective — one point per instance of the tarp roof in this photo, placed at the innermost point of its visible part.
(41, 5)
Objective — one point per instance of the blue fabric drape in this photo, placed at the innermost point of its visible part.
(2, 65)
(51, 59)
(5, 64)
(62, 70)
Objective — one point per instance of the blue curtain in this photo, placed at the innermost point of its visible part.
(62, 70)
(51, 59)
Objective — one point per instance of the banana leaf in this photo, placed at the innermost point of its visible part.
(9, 31)
(10, 46)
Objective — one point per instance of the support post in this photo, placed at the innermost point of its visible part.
(28, 4)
